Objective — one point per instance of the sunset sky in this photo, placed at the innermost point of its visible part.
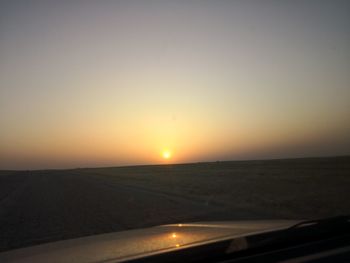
(102, 83)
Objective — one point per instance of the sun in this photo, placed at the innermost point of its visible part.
(166, 154)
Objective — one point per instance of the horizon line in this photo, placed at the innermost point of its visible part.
(183, 163)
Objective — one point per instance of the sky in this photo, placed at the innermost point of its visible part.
(109, 83)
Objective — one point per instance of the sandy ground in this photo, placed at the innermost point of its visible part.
(43, 206)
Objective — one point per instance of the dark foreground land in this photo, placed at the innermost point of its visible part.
(43, 206)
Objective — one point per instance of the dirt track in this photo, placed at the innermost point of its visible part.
(43, 206)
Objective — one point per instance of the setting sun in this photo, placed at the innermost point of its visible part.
(166, 154)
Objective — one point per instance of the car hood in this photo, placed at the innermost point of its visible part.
(139, 243)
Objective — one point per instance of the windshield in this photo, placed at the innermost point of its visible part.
(119, 115)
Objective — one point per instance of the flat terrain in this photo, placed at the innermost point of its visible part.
(42, 206)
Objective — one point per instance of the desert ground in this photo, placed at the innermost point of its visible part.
(48, 205)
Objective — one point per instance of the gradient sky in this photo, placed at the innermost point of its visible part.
(94, 83)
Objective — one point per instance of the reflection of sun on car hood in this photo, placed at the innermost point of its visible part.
(138, 243)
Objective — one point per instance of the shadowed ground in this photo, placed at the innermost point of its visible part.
(42, 206)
